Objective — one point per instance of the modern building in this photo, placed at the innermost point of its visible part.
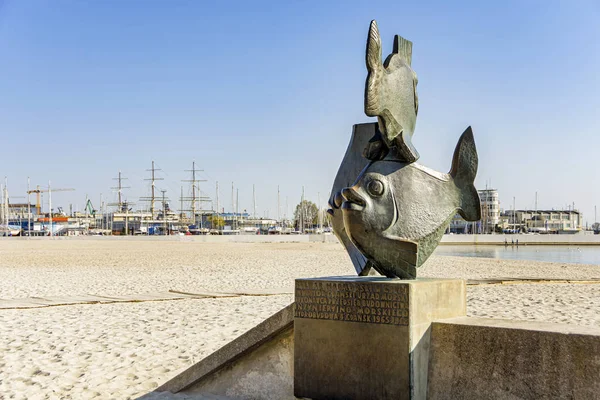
(490, 209)
(18, 211)
(142, 222)
(542, 221)
(490, 215)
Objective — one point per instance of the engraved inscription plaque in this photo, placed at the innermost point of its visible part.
(352, 302)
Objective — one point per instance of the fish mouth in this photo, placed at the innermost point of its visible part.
(353, 201)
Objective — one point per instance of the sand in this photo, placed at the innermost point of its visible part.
(123, 350)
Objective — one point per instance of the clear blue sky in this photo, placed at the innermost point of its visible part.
(267, 93)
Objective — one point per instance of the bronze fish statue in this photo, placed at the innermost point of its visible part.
(396, 212)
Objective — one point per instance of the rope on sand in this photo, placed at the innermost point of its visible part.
(53, 301)
(529, 281)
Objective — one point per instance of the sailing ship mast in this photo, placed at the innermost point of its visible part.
(28, 208)
(5, 203)
(152, 198)
(253, 202)
(196, 198)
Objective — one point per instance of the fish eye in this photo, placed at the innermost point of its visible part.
(375, 187)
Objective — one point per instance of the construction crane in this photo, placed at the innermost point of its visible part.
(90, 208)
(38, 191)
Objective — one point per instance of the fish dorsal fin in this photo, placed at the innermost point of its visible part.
(463, 172)
(403, 48)
(465, 161)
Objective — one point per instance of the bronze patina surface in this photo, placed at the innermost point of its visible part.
(387, 210)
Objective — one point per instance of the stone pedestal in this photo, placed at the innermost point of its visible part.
(368, 337)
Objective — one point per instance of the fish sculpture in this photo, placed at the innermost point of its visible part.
(396, 212)
(388, 211)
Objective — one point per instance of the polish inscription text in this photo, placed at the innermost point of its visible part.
(352, 301)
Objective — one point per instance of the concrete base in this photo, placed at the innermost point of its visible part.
(255, 366)
(266, 373)
(368, 337)
(479, 358)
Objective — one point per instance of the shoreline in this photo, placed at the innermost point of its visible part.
(581, 239)
(524, 240)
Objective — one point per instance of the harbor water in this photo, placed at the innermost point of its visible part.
(558, 254)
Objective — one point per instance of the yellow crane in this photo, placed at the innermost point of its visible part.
(37, 191)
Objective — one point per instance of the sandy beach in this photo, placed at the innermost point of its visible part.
(125, 349)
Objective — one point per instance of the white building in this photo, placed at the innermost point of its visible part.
(490, 209)
(490, 215)
(543, 221)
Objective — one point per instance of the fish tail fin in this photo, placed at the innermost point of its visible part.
(463, 171)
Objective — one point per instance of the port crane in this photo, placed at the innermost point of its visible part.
(38, 191)
(90, 208)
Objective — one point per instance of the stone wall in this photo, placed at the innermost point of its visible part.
(478, 358)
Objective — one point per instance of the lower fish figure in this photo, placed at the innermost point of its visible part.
(397, 212)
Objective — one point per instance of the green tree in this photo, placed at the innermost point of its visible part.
(216, 222)
(306, 214)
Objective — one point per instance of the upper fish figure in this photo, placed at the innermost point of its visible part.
(391, 96)
(397, 212)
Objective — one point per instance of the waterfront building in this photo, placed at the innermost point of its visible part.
(490, 215)
(142, 222)
(490, 209)
(542, 221)
(243, 223)
(17, 211)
